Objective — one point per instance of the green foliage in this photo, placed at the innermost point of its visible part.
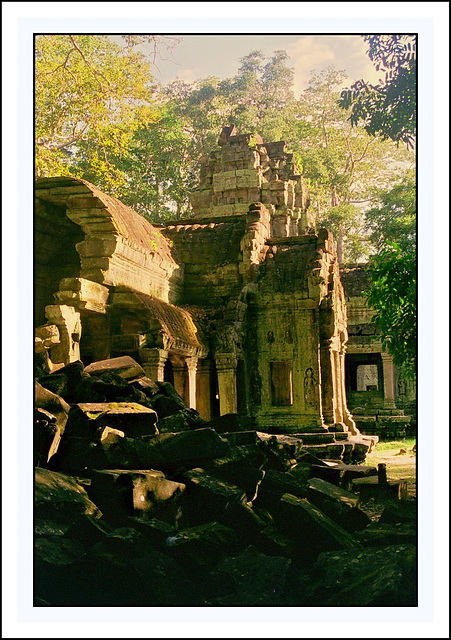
(387, 109)
(90, 97)
(393, 297)
(393, 271)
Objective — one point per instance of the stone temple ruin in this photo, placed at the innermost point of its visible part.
(191, 399)
(241, 306)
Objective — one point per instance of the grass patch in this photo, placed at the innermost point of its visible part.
(400, 465)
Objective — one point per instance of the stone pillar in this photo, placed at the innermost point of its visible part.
(153, 361)
(180, 376)
(389, 381)
(328, 384)
(68, 321)
(191, 363)
(203, 389)
(226, 367)
(347, 419)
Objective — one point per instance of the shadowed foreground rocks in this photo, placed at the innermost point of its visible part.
(140, 502)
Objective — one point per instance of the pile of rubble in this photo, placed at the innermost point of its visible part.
(140, 502)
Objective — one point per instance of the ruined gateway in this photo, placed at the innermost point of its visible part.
(240, 307)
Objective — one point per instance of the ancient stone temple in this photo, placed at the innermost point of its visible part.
(241, 307)
(381, 399)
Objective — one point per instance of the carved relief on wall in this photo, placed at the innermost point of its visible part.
(310, 385)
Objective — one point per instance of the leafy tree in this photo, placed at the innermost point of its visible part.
(393, 296)
(393, 271)
(387, 109)
(342, 163)
(91, 95)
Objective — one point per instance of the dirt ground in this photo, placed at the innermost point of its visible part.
(400, 458)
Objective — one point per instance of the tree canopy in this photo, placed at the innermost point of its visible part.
(388, 108)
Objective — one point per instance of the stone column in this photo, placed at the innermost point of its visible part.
(180, 376)
(153, 361)
(191, 363)
(389, 381)
(347, 416)
(226, 367)
(203, 389)
(68, 321)
(328, 384)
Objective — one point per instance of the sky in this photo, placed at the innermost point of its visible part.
(200, 56)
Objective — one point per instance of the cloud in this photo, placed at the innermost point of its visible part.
(307, 54)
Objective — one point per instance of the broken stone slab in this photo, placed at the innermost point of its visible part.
(78, 456)
(249, 580)
(377, 577)
(46, 336)
(168, 451)
(381, 534)
(313, 531)
(88, 530)
(46, 437)
(125, 366)
(146, 385)
(240, 470)
(338, 504)
(88, 419)
(341, 474)
(56, 383)
(292, 443)
(155, 530)
(54, 404)
(199, 548)
(239, 438)
(124, 493)
(59, 501)
(399, 511)
(232, 422)
(83, 294)
(107, 387)
(274, 485)
(240, 517)
(207, 496)
(371, 487)
(278, 458)
(181, 420)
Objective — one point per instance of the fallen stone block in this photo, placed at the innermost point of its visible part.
(313, 531)
(125, 366)
(57, 560)
(178, 421)
(399, 511)
(338, 504)
(371, 487)
(278, 458)
(155, 530)
(146, 385)
(107, 387)
(232, 422)
(249, 580)
(274, 485)
(199, 548)
(168, 451)
(382, 577)
(59, 502)
(88, 530)
(208, 496)
(240, 438)
(89, 419)
(123, 493)
(52, 403)
(78, 456)
(240, 517)
(46, 437)
(56, 383)
(382, 534)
